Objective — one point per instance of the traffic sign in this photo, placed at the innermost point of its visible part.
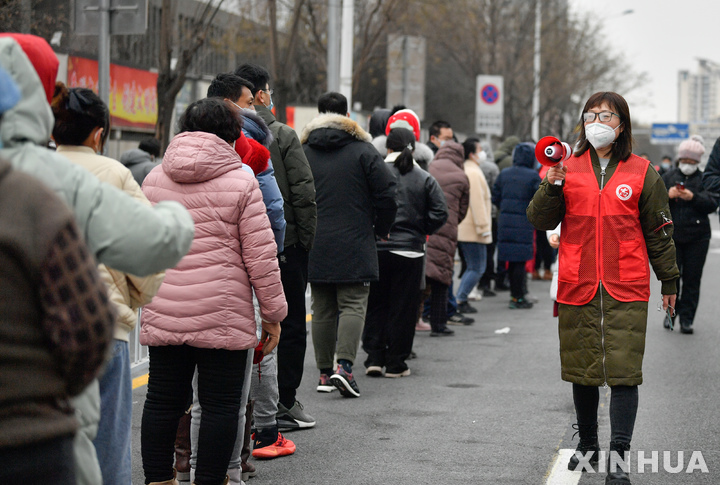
(489, 105)
(669, 133)
(127, 17)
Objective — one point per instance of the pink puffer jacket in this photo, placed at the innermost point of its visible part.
(206, 300)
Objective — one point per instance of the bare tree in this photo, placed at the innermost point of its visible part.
(191, 36)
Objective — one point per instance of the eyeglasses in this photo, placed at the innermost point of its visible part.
(605, 116)
(269, 91)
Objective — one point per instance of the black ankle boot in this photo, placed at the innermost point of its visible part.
(588, 442)
(616, 475)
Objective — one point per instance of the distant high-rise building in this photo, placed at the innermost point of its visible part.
(699, 93)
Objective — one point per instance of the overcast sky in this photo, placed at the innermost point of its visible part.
(660, 37)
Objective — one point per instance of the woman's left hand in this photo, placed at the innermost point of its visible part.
(270, 336)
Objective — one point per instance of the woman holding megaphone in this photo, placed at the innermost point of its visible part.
(613, 207)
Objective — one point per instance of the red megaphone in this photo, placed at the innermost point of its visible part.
(550, 151)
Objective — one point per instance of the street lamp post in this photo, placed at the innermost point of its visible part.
(536, 74)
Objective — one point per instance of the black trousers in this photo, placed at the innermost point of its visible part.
(438, 304)
(391, 314)
(490, 273)
(690, 260)
(51, 461)
(623, 409)
(293, 335)
(220, 381)
(516, 272)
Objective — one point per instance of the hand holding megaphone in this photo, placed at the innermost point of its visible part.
(551, 152)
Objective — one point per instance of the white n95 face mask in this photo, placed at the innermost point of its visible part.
(482, 157)
(600, 135)
(688, 168)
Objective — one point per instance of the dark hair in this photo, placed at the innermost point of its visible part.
(150, 145)
(400, 140)
(378, 122)
(470, 146)
(333, 102)
(667, 157)
(258, 76)
(228, 85)
(396, 108)
(212, 115)
(622, 146)
(78, 111)
(435, 127)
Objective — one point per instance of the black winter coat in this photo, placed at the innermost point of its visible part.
(690, 217)
(355, 196)
(512, 193)
(422, 210)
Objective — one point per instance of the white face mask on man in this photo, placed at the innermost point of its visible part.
(481, 157)
(600, 135)
(688, 168)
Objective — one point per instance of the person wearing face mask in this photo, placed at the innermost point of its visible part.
(690, 205)
(615, 222)
(475, 230)
(665, 165)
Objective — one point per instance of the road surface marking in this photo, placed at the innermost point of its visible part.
(560, 475)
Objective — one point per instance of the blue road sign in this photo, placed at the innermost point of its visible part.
(669, 132)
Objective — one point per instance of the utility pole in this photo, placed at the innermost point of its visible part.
(346, 50)
(333, 45)
(536, 74)
(104, 52)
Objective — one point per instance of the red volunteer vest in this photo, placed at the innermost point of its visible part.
(601, 237)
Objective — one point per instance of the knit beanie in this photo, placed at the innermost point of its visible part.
(42, 57)
(405, 118)
(691, 148)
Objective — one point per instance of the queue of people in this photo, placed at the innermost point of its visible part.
(219, 240)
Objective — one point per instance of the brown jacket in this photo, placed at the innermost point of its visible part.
(447, 168)
(55, 318)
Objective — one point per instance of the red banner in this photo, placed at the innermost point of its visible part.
(133, 92)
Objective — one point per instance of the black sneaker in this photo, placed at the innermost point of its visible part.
(519, 304)
(460, 319)
(465, 307)
(445, 332)
(488, 292)
(345, 383)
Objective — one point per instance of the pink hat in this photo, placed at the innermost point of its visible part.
(692, 149)
(405, 118)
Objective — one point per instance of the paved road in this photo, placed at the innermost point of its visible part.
(489, 408)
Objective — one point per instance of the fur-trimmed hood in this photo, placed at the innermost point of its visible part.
(322, 131)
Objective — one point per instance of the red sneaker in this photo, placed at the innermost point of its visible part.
(281, 447)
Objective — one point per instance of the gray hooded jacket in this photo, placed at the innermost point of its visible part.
(121, 232)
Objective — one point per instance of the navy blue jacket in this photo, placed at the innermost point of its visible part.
(512, 193)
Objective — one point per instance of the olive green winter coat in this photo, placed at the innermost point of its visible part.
(603, 341)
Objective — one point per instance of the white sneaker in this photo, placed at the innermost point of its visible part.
(475, 294)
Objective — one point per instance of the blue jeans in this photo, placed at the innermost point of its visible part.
(113, 440)
(475, 258)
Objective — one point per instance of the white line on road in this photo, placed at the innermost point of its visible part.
(560, 475)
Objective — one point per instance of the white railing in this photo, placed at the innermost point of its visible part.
(138, 353)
